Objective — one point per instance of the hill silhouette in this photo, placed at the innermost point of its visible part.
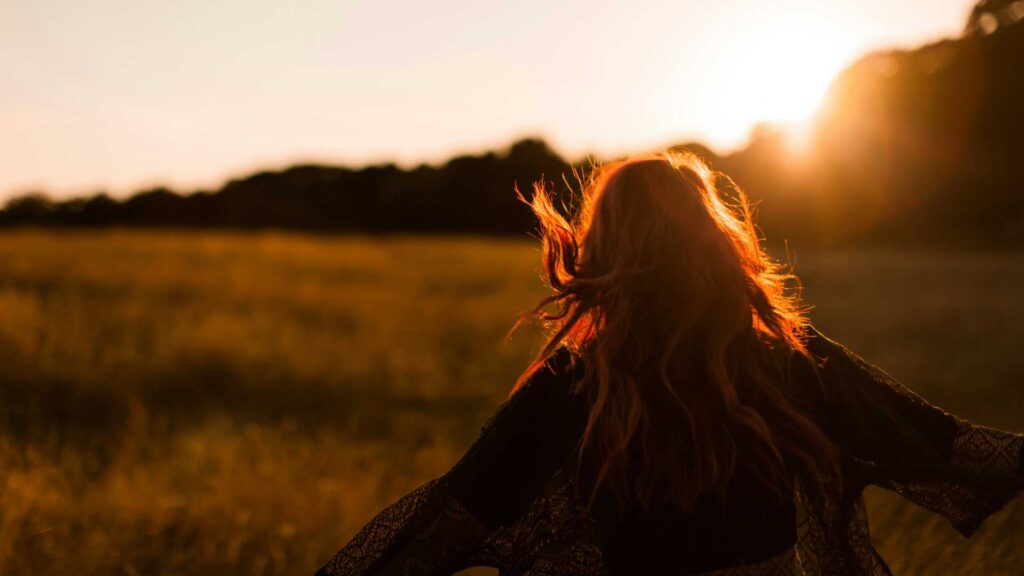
(923, 145)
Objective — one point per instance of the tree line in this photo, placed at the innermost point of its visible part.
(923, 145)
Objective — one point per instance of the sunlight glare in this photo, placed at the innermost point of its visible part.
(776, 70)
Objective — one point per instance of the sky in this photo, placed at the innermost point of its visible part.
(118, 95)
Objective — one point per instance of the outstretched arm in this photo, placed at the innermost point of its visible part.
(428, 531)
(947, 464)
(446, 524)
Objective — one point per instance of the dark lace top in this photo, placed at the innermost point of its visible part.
(512, 502)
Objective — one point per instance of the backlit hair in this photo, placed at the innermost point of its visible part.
(683, 324)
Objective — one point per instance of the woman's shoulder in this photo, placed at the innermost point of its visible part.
(522, 444)
(545, 404)
(554, 380)
(811, 372)
(845, 371)
(822, 354)
(824, 350)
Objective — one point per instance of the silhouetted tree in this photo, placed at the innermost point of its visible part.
(912, 145)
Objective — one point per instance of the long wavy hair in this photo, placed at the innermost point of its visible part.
(684, 326)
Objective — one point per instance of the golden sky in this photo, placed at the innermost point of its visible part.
(116, 95)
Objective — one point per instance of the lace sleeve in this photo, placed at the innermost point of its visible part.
(427, 531)
(450, 522)
(897, 440)
(988, 452)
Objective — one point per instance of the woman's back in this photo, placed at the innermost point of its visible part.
(750, 523)
(514, 501)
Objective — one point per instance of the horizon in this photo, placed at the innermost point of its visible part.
(97, 120)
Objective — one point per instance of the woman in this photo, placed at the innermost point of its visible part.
(683, 417)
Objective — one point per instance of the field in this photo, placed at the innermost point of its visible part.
(206, 403)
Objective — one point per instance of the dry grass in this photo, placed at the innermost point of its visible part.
(242, 403)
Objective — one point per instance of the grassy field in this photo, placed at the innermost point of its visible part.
(242, 403)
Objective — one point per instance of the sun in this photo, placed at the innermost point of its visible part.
(789, 68)
(776, 70)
